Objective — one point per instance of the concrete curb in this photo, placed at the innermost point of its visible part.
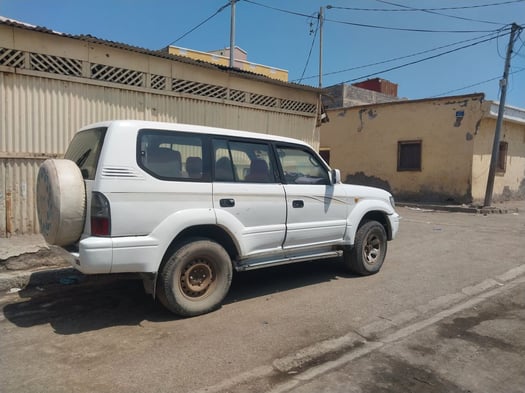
(458, 208)
(13, 280)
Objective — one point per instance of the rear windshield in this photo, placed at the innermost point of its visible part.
(84, 150)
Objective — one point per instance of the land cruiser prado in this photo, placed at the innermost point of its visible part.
(184, 205)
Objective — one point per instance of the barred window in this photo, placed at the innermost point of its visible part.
(409, 156)
(502, 157)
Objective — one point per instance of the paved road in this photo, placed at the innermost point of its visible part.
(109, 336)
(475, 346)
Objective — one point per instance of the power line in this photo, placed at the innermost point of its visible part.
(517, 52)
(200, 24)
(425, 59)
(311, 48)
(406, 29)
(475, 84)
(439, 13)
(399, 58)
(278, 9)
(425, 9)
(367, 25)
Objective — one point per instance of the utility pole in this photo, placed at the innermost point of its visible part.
(321, 18)
(232, 34)
(499, 122)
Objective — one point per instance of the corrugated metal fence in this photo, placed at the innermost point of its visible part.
(39, 114)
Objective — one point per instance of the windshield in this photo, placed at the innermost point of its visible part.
(84, 150)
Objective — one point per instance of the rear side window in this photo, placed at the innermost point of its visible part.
(171, 155)
(84, 150)
(242, 161)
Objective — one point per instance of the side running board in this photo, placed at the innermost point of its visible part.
(252, 264)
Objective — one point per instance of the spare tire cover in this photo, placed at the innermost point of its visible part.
(61, 201)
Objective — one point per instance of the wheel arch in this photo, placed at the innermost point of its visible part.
(380, 217)
(204, 231)
(368, 211)
(211, 232)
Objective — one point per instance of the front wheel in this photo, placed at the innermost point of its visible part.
(196, 278)
(368, 253)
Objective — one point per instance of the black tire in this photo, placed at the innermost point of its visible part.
(196, 278)
(368, 253)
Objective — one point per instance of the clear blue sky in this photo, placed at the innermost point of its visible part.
(282, 39)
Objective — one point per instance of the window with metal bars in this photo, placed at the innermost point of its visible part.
(501, 167)
(409, 156)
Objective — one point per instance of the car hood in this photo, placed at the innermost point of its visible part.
(366, 192)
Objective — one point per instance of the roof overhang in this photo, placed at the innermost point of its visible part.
(158, 53)
(510, 113)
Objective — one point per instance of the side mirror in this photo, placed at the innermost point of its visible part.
(335, 176)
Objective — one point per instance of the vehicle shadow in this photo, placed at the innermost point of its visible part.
(93, 303)
(263, 282)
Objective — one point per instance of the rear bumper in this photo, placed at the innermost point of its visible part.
(100, 255)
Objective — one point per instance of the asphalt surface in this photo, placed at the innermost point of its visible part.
(306, 327)
(475, 346)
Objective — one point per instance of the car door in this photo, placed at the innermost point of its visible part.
(316, 209)
(247, 198)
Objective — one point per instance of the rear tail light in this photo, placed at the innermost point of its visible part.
(100, 215)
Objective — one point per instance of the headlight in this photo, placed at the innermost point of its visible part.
(392, 202)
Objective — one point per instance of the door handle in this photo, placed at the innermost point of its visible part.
(227, 202)
(298, 204)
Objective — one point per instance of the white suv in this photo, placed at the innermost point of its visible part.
(184, 205)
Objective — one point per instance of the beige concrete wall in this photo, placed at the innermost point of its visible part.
(508, 185)
(363, 143)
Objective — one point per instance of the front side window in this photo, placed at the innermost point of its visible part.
(243, 162)
(302, 166)
(172, 155)
(85, 149)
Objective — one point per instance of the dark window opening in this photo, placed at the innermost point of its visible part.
(409, 156)
(325, 155)
(502, 157)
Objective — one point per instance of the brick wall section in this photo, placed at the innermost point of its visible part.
(344, 96)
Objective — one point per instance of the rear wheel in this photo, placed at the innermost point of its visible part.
(196, 278)
(369, 251)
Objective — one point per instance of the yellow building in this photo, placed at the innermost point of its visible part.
(222, 57)
(431, 150)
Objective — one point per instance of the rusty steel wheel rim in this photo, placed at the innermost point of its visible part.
(372, 249)
(197, 278)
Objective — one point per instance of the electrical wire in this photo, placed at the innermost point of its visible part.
(439, 13)
(278, 9)
(398, 58)
(475, 84)
(517, 52)
(367, 25)
(425, 9)
(426, 58)
(405, 29)
(200, 24)
(311, 48)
